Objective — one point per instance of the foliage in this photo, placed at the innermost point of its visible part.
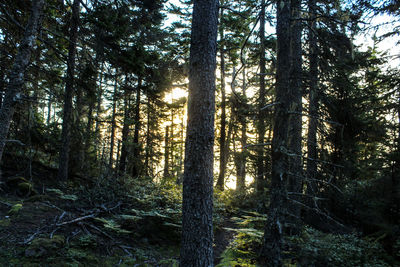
(314, 248)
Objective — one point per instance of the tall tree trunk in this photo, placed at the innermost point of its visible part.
(49, 102)
(272, 246)
(69, 88)
(260, 181)
(396, 173)
(313, 104)
(113, 124)
(98, 113)
(222, 138)
(125, 132)
(136, 149)
(295, 180)
(166, 153)
(241, 161)
(197, 206)
(16, 77)
(148, 139)
(3, 71)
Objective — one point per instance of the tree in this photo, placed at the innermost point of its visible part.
(16, 77)
(69, 88)
(222, 138)
(271, 250)
(260, 181)
(295, 178)
(197, 230)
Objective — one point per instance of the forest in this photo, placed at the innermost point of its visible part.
(200, 133)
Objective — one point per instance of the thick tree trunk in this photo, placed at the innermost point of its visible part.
(69, 88)
(260, 179)
(16, 77)
(313, 105)
(136, 149)
(197, 206)
(295, 180)
(222, 138)
(272, 247)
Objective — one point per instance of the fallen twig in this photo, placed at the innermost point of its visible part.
(77, 219)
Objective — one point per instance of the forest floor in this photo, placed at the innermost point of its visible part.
(223, 238)
(43, 230)
(44, 223)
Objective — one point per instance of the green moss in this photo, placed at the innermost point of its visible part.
(83, 256)
(37, 198)
(25, 189)
(44, 246)
(15, 209)
(5, 222)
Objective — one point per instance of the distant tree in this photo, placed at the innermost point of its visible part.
(69, 89)
(197, 207)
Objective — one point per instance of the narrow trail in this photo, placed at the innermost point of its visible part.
(223, 238)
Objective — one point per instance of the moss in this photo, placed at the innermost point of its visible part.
(15, 209)
(85, 256)
(25, 189)
(5, 222)
(13, 182)
(37, 198)
(44, 246)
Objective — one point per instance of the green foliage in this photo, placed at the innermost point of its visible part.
(244, 248)
(61, 194)
(15, 209)
(44, 246)
(314, 248)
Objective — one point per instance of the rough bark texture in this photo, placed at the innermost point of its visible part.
(241, 156)
(295, 180)
(260, 181)
(166, 153)
(136, 150)
(16, 77)
(396, 174)
(113, 124)
(125, 134)
(197, 207)
(69, 88)
(222, 138)
(271, 249)
(313, 104)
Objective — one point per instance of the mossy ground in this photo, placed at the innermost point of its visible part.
(80, 228)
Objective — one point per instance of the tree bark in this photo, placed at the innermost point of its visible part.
(222, 138)
(166, 153)
(313, 104)
(125, 133)
(197, 206)
(69, 88)
(16, 77)
(136, 150)
(241, 160)
(260, 180)
(113, 124)
(272, 247)
(295, 180)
